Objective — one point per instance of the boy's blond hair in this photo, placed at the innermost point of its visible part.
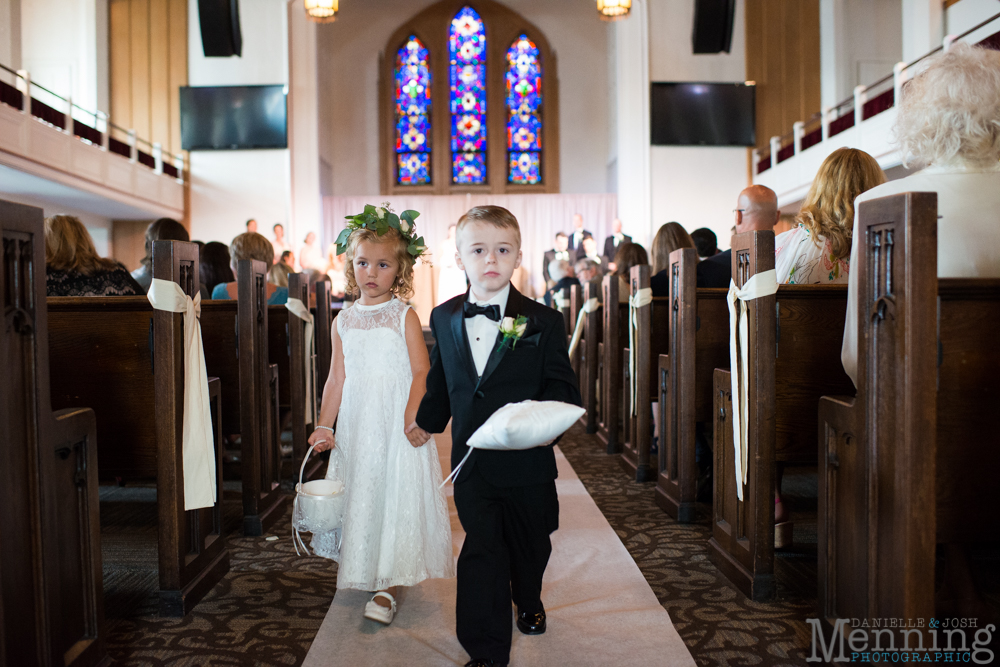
(402, 287)
(497, 216)
(251, 245)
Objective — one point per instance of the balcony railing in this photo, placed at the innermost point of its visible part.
(17, 90)
(866, 102)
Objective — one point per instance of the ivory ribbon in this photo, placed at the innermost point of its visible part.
(560, 301)
(640, 299)
(198, 444)
(588, 307)
(297, 308)
(759, 285)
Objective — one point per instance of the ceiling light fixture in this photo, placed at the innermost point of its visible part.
(613, 10)
(322, 11)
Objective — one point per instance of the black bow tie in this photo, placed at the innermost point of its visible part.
(472, 309)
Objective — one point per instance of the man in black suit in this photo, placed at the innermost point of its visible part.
(612, 242)
(560, 251)
(577, 235)
(506, 500)
(756, 210)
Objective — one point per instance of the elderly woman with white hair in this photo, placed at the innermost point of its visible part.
(949, 120)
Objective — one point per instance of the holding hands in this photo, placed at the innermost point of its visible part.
(323, 438)
(417, 436)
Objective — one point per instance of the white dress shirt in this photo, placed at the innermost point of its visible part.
(619, 237)
(577, 238)
(562, 254)
(483, 331)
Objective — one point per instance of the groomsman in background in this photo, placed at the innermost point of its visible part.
(576, 238)
(612, 242)
(561, 251)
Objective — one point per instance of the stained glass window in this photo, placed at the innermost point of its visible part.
(524, 112)
(413, 114)
(467, 71)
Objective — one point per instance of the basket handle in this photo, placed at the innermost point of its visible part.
(305, 459)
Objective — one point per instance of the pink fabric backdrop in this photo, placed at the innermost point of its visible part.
(540, 216)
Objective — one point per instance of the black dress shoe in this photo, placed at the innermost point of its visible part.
(531, 624)
(484, 662)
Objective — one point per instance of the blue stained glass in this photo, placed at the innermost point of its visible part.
(524, 106)
(413, 109)
(467, 77)
(525, 168)
(469, 168)
(414, 168)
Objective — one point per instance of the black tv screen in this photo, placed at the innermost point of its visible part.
(702, 114)
(233, 117)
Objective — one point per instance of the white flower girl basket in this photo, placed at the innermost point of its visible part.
(319, 504)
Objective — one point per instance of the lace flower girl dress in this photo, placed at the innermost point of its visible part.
(396, 528)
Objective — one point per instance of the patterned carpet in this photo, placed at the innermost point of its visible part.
(269, 607)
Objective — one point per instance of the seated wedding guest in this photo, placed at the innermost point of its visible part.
(669, 237)
(756, 210)
(560, 251)
(948, 119)
(706, 242)
(278, 275)
(310, 256)
(628, 255)
(578, 234)
(818, 248)
(586, 270)
(73, 267)
(288, 259)
(164, 229)
(251, 246)
(213, 267)
(612, 242)
(279, 242)
(562, 273)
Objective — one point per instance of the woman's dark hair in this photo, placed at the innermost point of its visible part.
(214, 263)
(629, 255)
(164, 229)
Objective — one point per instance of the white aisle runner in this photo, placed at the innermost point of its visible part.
(600, 609)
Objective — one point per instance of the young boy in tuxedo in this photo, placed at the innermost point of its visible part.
(506, 500)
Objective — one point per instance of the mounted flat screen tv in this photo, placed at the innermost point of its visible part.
(702, 114)
(233, 117)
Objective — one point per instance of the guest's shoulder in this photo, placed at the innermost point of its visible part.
(220, 292)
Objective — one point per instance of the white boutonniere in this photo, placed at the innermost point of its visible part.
(512, 329)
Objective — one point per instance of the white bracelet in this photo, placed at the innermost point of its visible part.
(326, 427)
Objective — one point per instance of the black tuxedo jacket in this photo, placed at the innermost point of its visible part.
(609, 246)
(574, 246)
(715, 271)
(536, 368)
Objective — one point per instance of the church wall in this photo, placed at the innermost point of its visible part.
(349, 52)
(695, 186)
(860, 42)
(10, 33)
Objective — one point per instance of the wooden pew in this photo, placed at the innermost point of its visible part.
(794, 358)
(613, 339)
(236, 349)
(324, 315)
(51, 594)
(590, 359)
(699, 343)
(286, 345)
(125, 360)
(912, 460)
(652, 338)
(575, 305)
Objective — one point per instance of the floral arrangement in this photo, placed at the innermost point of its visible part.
(513, 329)
(380, 220)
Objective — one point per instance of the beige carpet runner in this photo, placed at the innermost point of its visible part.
(600, 609)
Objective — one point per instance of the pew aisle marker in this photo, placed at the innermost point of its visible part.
(588, 307)
(197, 439)
(299, 310)
(759, 285)
(642, 298)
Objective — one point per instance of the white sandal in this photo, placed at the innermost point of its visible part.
(377, 612)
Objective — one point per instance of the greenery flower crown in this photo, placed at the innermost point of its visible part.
(380, 220)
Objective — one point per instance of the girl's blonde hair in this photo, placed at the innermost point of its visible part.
(671, 236)
(68, 247)
(828, 210)
(402, 287)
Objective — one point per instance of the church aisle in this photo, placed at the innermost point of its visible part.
(600, 609)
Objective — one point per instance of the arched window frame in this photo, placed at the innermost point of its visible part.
(503, 27)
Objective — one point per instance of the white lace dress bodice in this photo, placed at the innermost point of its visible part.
(396, 528)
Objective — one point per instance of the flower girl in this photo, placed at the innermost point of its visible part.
(396, 529)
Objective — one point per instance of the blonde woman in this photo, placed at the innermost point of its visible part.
(817, 249)
(669, 237)
(73, 267)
